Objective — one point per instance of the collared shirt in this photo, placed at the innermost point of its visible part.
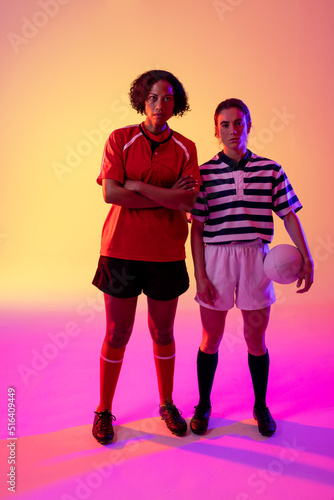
(156, 234)
(236, 201)
(233, 164)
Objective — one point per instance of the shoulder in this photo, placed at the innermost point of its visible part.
(188, 146)
(124, 133)
(263, 162)
(181, 139)
(216, 161)
(123, 137)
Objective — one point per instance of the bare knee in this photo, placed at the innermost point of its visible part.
(120, 316)
(256, 349)
(210, 345)
(213, 324)
(161, 336)
(256, 343)
(255, 325)
(118, 339)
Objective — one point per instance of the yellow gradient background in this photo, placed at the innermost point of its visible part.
(66, 71)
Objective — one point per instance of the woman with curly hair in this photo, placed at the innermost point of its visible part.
(149, 175)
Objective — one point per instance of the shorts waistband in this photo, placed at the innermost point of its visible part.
(251, 243)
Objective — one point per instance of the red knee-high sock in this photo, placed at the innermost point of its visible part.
(164, 358)
(110, 366)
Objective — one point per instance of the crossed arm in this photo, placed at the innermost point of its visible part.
(137, 194)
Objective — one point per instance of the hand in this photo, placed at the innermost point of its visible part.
(206, 292)
(188, 183)
(306, 275)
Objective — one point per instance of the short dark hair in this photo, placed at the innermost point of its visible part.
(232, 103)
(141, 86)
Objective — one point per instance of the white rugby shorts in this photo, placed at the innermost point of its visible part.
(236, 271)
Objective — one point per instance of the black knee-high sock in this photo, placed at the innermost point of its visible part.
(206, 368)
(259, 369)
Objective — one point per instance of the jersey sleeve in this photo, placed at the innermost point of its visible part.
(112, 162)
(191, 167)
(201, 210)
(284, 198)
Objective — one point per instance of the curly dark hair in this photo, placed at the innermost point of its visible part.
(142, 85)
(232, 103)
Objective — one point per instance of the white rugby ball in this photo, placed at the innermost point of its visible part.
(283, 263)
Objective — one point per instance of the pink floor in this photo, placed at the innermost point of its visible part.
(51, 359)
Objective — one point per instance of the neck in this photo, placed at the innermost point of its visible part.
(235, 154)
(153, 128)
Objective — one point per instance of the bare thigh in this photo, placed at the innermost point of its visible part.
(161, 316)
(255, 326)
(120, 316)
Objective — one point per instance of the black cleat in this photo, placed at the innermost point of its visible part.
(200, 420)
(171, 415)
(102, 426)
(265, 422)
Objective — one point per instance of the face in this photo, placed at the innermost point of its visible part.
(159, 106)
(233, 130)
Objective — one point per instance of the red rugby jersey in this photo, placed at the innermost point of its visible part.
(150, 234)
